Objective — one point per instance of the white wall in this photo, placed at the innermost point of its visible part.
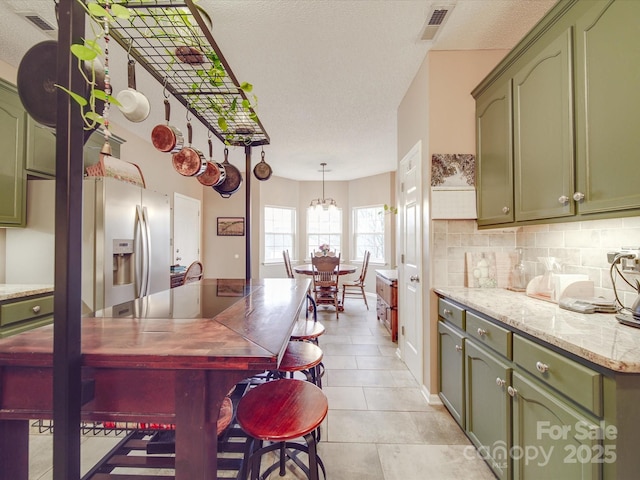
(439, 111)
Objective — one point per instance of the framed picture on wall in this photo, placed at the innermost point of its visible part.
(230, 226)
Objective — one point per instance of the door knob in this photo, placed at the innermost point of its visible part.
(563, 199)
(578, 196)
(512, 391)
(414, 278)
(505, 210)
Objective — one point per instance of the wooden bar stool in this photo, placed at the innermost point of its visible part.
(307, 329)
(280, 412)
(305, 357)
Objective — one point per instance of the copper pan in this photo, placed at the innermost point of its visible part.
(215, 173)
(189, 162)
(166, 138)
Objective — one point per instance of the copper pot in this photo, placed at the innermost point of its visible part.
(166, 138)
(189, 162)
(215, 173)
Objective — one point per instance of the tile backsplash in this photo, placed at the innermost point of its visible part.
(581, 247)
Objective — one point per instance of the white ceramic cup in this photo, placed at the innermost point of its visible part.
(133, 105)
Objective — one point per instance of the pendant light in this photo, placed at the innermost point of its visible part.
(323, 203)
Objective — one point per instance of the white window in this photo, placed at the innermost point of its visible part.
(279, 232)
(323, 227)
(368, 232)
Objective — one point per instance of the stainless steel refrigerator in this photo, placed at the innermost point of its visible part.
(126, 242)
(126, 251)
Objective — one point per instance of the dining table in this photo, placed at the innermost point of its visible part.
(307, 269)
(343, 269)
(168, 358)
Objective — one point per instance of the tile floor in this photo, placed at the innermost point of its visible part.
(379, 425)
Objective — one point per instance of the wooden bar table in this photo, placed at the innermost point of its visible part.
(167, 358)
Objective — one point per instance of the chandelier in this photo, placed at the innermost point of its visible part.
(323, 203)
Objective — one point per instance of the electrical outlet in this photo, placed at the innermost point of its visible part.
(631, 262)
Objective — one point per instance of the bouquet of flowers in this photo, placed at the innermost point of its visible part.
(324, 248)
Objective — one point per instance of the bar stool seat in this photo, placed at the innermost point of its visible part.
(281, 411)
(308, 330)
(305, 357)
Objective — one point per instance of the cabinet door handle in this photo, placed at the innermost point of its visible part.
(414, 278)
(36, 309)
(506, 210)
(563, 199)
(578, 196)
(458, 348)
(542, 367)
(512, 391)
(447, 312)
(482, 332)
(500, 382)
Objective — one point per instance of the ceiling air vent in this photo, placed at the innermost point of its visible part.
(436, 18)
(39, 22)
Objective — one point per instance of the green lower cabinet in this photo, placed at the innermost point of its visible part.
(451, 371)
(551, 439)
(488, 407)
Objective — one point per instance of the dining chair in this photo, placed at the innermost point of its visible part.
(287, 263)
(193, 273)
(356, 287)
(325, 280)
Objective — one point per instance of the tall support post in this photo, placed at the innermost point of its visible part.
(68, 244)
(247, 213)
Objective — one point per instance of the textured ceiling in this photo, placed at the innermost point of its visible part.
(329, 74)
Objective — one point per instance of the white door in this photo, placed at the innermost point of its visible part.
(409, 268)
(186, 229)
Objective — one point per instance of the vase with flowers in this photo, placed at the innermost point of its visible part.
(324, 248)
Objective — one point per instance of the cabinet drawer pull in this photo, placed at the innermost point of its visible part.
(500, 382)
(542, 367)
(458, 348)
(36, 309)
(482, 332)
(447, 312)
(506, 210)
(512, 391)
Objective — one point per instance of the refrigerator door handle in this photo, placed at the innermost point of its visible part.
(147, 269)
(140, 252)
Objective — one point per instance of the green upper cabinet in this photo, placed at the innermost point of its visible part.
(494, 155)
(572, 122)
(41, 149)
(608, 105)
(543, 131)
(12, 176)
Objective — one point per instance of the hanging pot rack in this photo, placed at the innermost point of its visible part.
(152, 35)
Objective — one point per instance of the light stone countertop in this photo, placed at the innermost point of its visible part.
(596, 337)
(13, 291)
